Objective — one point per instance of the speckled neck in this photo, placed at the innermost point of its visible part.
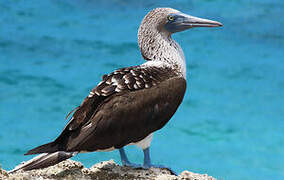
(156, 44)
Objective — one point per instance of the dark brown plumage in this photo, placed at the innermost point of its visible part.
(113, 114)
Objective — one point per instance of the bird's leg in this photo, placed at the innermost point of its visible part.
(125, 161)
(147, 161)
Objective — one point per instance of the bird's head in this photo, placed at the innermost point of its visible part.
(171, 21)
(154, 34)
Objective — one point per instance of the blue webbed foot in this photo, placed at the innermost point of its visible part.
(125, 161)
(147, 162)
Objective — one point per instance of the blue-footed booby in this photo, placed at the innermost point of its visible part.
(131, 103)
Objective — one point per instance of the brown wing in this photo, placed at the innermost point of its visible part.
(125, 107)
(120, 81)
(129, 117)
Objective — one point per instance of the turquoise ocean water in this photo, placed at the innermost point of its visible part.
(231, 122)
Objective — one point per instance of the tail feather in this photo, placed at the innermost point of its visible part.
(44, 160)
(46, 148)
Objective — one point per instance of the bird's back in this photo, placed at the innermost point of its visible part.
(125, 107)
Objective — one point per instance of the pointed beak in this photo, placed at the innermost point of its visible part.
(191, 21)
(180, 22)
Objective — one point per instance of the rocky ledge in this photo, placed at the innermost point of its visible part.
(105, 170)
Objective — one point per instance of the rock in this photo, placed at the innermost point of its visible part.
(72, 170)
(3, 173)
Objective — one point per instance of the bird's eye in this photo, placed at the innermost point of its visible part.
(171, 18)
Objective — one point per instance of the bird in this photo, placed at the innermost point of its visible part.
(129, 104)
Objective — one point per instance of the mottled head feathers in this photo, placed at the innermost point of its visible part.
(156, 19)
